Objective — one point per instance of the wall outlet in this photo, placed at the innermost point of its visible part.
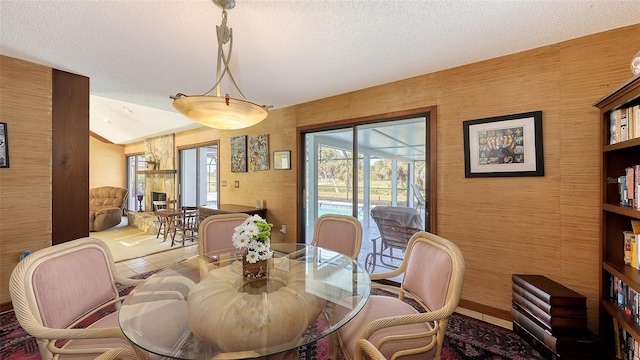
(283, 229)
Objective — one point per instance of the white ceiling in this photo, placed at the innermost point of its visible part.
(138, 53)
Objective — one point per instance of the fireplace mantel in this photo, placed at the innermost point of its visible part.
(156, 172)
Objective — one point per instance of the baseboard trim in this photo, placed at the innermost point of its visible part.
(6, 307)
(484, 309)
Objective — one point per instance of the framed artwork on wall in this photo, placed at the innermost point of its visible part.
(4, 146)
(282, 160)
(239, 153)
(503, 146)
(259, 152)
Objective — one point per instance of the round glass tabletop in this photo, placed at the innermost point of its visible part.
(205, 307)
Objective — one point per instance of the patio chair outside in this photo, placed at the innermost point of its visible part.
(396, 225)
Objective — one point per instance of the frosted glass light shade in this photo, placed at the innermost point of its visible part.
(219, 112)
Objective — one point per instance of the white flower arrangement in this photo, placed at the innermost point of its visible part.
(253, 234)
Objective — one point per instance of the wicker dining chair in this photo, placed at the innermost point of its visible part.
(433, 270)
(216, 231)
(340, 233)
(56, 288)
(366, 350)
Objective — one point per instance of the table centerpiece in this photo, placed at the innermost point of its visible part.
(253, 238)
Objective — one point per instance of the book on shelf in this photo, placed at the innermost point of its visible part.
(627, 249)
(635, 226)
(557, 344)
(624, 124)
(616, 339)
(636, 121)
(630, 249)
(613, 126)
(622, 184)
(636, 186)
(630, 177)
(549, 291)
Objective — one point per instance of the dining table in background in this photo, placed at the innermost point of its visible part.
(167, 218)
(205, 308)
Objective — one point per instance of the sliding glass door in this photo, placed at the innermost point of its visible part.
(198, 177)
(389, 169)
(135, 181)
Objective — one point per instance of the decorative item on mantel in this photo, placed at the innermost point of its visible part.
(140, 197)
(152, 161)
(252, 237)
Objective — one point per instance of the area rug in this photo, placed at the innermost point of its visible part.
(466, 339)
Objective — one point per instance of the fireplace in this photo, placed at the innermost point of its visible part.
(158, 196)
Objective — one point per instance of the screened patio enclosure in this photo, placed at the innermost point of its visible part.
(390, 165)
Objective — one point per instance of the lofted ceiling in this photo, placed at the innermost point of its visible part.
(138, 53)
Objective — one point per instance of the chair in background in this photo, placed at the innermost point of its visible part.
(396, 225)
(163, 205)
(186, 226)
(433, 270)
(215, 232)
(421, 202)
(55, 288)
(341, 233)
(105, 207)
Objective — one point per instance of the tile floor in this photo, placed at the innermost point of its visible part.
(157, 261)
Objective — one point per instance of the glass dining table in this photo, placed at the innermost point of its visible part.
(205, 308)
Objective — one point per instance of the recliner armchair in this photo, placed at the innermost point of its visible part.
(105, 207)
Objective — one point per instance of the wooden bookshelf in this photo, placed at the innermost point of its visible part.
(615, 218)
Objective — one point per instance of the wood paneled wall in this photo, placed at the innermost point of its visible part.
(25, 187)
(538, 225)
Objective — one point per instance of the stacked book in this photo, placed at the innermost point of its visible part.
(552, 318)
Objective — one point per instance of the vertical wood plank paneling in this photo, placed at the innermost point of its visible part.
(25, 187)
(70, 161)
(540, 225)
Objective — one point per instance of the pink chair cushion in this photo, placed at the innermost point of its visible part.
(378, 307)
(218, 235)
(110, 320)
(71, 284)
(429, 280)
(337, 235)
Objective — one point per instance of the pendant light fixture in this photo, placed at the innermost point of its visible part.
(216, 111)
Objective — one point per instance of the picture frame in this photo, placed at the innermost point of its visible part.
(504, 146)
(259, 152)
(4, 146)
(239, 153)
(282, 160)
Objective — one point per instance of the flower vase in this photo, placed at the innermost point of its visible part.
(256, 270)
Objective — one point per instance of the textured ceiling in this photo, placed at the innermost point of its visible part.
(138, 53)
